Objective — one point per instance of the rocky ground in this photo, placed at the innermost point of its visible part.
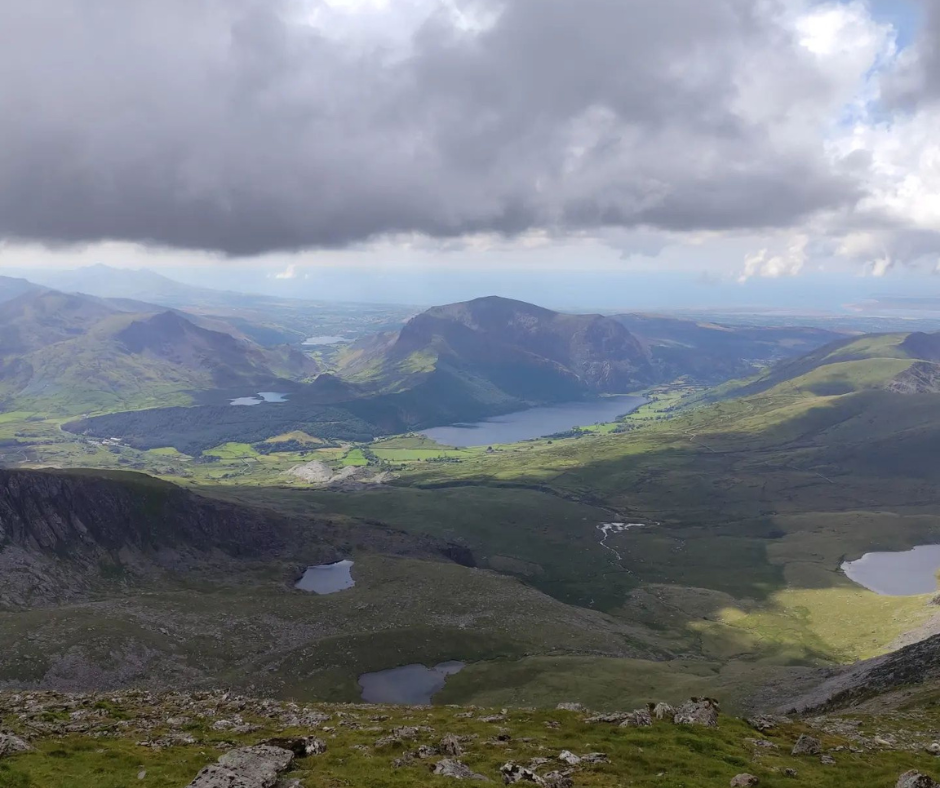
(216, 739)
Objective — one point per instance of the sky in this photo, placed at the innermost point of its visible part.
(774, 152)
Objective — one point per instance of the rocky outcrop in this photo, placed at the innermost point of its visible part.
(60, 532)
(12, 745)
(247, 767)
(922, 377)
(915, 779)
(907, 667)
(806, 745)
(449, 767)
(698, 712)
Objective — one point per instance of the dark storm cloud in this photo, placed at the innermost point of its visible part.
(229, 125)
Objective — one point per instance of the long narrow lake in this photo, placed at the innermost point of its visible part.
(534, 422)
(897, 574)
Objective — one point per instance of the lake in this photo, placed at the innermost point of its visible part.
(410, 685)
(324, 340)
(897, 574)
(263, 396)
(327, 578)
(534, 422)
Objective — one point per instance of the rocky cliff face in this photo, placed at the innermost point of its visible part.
(61, 533)
(913, 666)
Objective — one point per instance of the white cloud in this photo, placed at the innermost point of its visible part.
(288, 273)
(788, 262)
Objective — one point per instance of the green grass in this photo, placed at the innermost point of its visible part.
(355, 458)
(662, 755)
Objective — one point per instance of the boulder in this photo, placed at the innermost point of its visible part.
(663, 711)
(556, 780)
(611, 719)
(744, 781)
(247, 767)
(570, 707)
(11, 745)
(566, 756)
(448, 767)
(806, 745)
(515, 773)
(915, 779)
(450, 745)
(763, 722)
(637, 719)
(697, 711)
(301, 746)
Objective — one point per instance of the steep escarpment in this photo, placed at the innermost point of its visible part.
(911, 669)
(63, 533)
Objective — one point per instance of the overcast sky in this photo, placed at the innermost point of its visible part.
(733, 140)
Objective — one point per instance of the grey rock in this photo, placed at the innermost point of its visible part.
(556, 780)
(744, 781)
(457, 770)
(915, 779)
(764, 723)
(566, 756)
(516, 773)
(789, 772)
(827, 760)
(301, 746)
(806, 745)
(11, 745)
(637, 719)
(595, 757)
(247, 767)
(570, 707)
(663, 711)
(612, 719)
(450, 745)
(697, 712)
(426, 751)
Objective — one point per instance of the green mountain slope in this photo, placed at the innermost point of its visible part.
(506, 350)
(70, 353)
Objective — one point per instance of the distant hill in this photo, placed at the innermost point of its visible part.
(75, 353)
(139, 284)
(504, 350)
(11, 287)
(711, 352)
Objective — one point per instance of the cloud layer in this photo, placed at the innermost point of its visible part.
(250, 126)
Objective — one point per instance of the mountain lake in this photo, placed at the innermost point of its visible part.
(904, 573)
(535, 422)
(410, 685)
(260, 399)
(327, 578)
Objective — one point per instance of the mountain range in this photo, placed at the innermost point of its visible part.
(76, 353)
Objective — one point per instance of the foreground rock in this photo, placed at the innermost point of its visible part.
(247, 767)
(806, 745)
(698, 712)
(744, 781)
(914, 779)
(11, 745)
(457, 770)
